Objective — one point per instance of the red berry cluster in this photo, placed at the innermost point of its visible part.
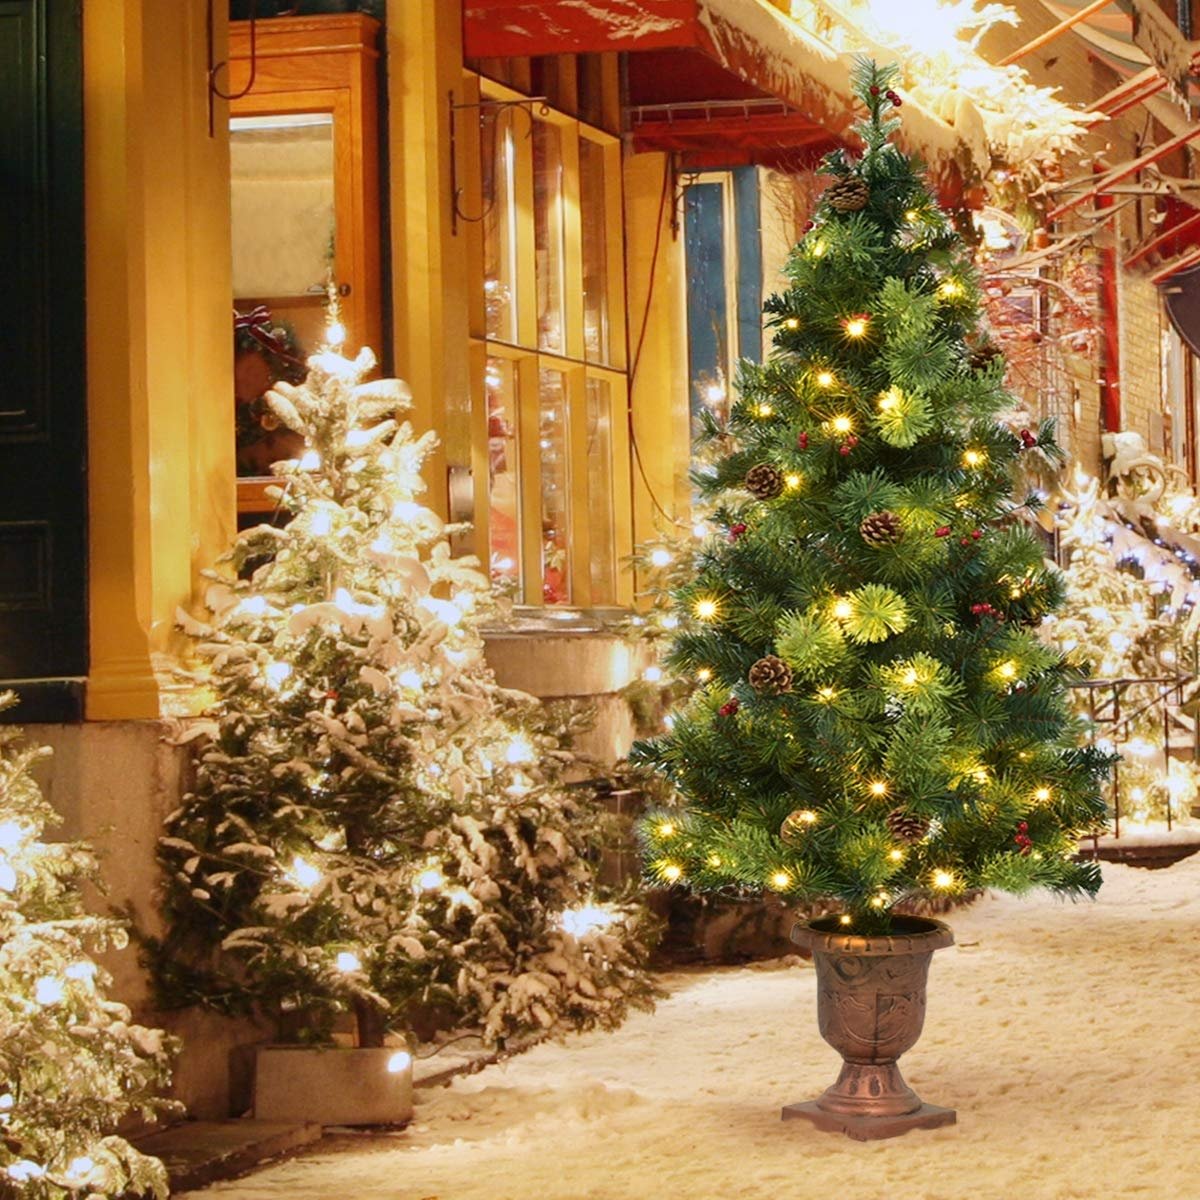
(891, 95)
(975, 535)
(942, 531)
(736, 530)
(848, 445)
(729, 707)
(1028, 441)
(986, 610)
(802, 441)
(1022, 837)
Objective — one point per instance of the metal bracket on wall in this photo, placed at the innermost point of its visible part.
(485, 108)
(214, 90)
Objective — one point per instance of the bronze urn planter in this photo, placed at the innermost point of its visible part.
(870, 1009)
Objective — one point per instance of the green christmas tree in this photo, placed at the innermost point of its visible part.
(878, 721)
(73, 1066)
(377, 827)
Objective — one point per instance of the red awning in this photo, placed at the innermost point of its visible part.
(718, 81)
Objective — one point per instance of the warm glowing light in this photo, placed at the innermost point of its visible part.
(951, 289)
(845, 919)
(896, 854)
(347, 962)
(943, 879)
(855, 327)
(276, 672)
(912, 216)
(973, 458)
(399, 1062)
(518, 751)
(310, 460)
(792, 481)
(763, 410)
(825, 379)
(430, 880)
(705, 608)
(843, 610)
(792, 323)
(660, 557)
(841, 424)
(889, 399)
(704, 674)
(48, 990)
(304, 873)
(879, 901)
(806, 816)
(666, 829)
(714, 860)
(878, 788)
(1007, 670)
(652, 674)
(671, 872)
(818, 248)
(714, 393)
(909, 678)
(826, 693)
(780, 880)
(1042, 794)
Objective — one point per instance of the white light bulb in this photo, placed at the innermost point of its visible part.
(48, 990)
(348, 962)
(304, 873)
(660, 557)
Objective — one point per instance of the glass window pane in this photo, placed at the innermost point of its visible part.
(499, 226)
(553, 444)
(504, 525)
(596, 341)
(601, 520)
(548, 233)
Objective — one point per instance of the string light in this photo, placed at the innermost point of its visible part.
(705, 608)
(780, 880)
(973, 458)
(672, 872)
(895, 854)
(704, 675)
(841, 424)
(889, 399)
(845, 919)
(943, 879)
(304, 873)
(826, 694)
(951, 289)
(825, 379)
(843, 610)
(714, 860)
(763, 410)
(792, 323)
(912, 216)
(660, 557)
(1007, 670)
(1042, 794)
(806, 816)
(879, 901)
(878, 787)
(855, 327)
(666, 829)
(792, 481)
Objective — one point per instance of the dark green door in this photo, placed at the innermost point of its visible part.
(43, 495)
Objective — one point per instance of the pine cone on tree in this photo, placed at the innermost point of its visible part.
(849, 194)
(764, 481)
(906, 826)
(770, 676)
(883, 528)
(983, 355)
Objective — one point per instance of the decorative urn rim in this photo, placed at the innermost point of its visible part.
(909, 935)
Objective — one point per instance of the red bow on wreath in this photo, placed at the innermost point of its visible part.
(257, 323)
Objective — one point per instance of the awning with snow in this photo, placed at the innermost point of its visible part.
(720, 82)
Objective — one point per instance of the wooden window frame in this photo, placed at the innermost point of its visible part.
(577, 370)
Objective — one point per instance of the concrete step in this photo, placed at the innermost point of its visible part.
(197, 1153)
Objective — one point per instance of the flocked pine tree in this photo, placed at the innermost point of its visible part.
(377, 826)
(879, 720)
(73, 1066)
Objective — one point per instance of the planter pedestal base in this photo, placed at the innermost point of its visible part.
(870, 1129)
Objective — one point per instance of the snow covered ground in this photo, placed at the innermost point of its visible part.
(1065, 1035)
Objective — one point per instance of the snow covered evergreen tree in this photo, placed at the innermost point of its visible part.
(376, 825)
(73, 1066)
(878, 719)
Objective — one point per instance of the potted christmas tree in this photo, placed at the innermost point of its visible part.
(73, 1067)
(378, 831)
(877, 722)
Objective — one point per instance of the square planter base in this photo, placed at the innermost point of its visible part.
(333, 1085)
(870, 1129)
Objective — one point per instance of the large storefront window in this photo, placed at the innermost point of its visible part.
(557, 518)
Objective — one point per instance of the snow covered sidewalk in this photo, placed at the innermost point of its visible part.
(1065, 1035)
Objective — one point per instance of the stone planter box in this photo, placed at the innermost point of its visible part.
(333, 1085)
